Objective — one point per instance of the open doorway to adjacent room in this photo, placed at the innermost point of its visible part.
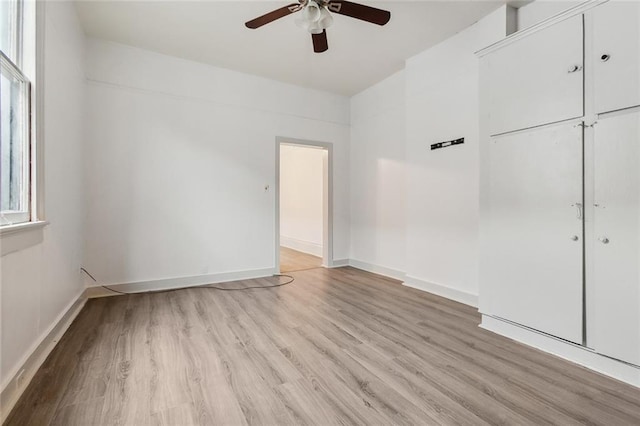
(303, 204)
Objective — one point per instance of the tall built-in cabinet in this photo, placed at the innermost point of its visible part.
(560, 184)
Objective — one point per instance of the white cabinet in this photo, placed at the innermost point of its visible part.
(616, 251)
(534, 271)
(552, 140)
(616, 55)
(538, 79)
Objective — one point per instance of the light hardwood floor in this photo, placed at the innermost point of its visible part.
(293, 260)
(338, 346)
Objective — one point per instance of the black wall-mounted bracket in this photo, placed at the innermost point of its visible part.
(446, 144)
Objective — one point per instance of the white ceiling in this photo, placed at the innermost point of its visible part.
(213, 32)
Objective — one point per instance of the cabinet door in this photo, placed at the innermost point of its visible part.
(534, 271)
(538, 79)
(616, 55)
(616, 252)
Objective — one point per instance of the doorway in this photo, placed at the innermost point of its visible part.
(303, 204)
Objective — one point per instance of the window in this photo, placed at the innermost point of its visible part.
(16, 99)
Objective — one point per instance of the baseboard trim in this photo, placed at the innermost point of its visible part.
(340, 263)
(301, 245)
(418, 284)
(31, 363)
(571, 352)
(442, 290)
(377, 269)
(176, 283)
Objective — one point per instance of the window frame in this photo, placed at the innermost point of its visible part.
(17, 41)
(14, 217)
(32, 13)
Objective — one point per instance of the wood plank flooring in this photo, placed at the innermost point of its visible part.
(336, 347)
(293, 260)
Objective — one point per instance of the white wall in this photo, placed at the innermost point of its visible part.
(178, 155)
(39, 283)
(301, 194)
(442, 190)
(415, 212)
(378, 176)
(540, 10)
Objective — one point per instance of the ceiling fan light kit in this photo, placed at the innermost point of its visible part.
(315, 17)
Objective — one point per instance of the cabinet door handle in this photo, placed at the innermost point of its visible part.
(578, 207)
(605, 57)
(604, 240)
(574, 68)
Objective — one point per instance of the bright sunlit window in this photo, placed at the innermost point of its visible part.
(17, 56)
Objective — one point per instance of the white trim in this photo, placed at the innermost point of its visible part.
(21, 236)
(442, 290)
(308, 247)
(413, 282)
(339, 263)
(327, 197)
(35, 357)
(616, 112)
(177, 283)
(38, 107)
(569, 13)
(377, 269)
(571, 352)
(576, 121)
(9, 218)
(21, 227)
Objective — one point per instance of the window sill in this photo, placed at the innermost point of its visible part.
(22, 227)
(21, 236)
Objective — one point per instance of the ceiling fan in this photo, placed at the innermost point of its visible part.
(316, 17)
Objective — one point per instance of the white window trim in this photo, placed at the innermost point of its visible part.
(21, 236)
(22, 227)
(38, 135)
(9, 218)
(10, 232)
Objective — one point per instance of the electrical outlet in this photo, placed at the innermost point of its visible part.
(20, 379)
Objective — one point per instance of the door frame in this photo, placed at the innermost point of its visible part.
(327, 197)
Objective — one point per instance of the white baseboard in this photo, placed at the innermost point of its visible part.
(413, 282)
(442, 290)
(301, 245)
(340, 263)
(563, 349)
(377, 269)
(18, 381)
(175, 283)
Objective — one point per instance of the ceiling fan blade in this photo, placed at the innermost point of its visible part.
(320, 43)
(360, 11)
(273, 15)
